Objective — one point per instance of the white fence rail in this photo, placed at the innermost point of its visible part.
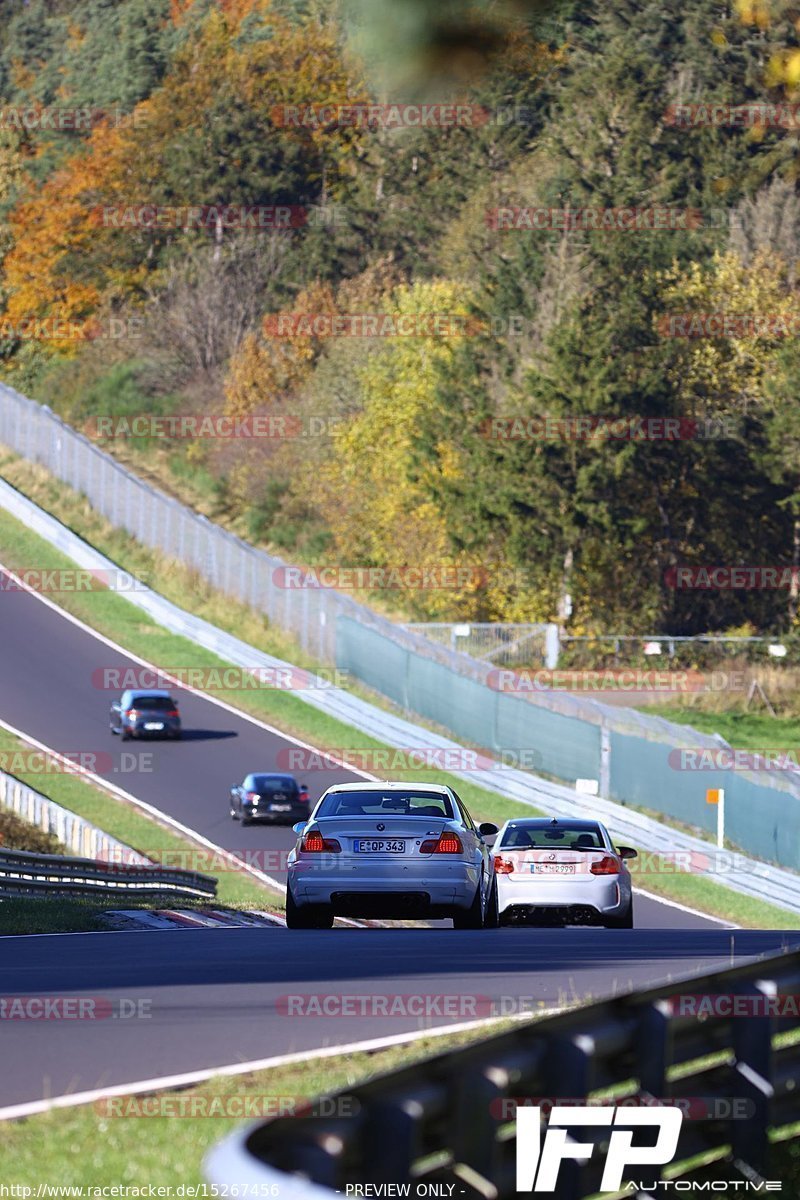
(104, 864)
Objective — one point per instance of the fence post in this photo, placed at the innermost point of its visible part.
(605, 762)
(551, 647)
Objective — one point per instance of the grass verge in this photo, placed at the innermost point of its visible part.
(132, 1141)
(756, 731)
(111, 614)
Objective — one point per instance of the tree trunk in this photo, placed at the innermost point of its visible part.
(565, 599)
(794, 586)
(217, 237)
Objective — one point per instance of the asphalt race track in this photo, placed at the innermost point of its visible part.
(212, 996)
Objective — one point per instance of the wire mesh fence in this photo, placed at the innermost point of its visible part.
(506, 644)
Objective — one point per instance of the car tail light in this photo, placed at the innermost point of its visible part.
(252, 796)
(605, 866)
(303, 797)
(173, 712)
(315, 843)
(446, 843)
(502, 866)
(132, 713)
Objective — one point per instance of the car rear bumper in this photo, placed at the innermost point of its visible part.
(585, 899)
(347, 885)
(258, 812)
(138, 730)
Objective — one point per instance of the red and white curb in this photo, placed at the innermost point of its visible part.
(195, 918)
(132, 919)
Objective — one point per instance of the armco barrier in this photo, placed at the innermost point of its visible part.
(26, 874)
(73, 832)
(448, 1122)
(626, 751)
(105, 864)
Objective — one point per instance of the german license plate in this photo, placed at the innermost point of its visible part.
(280, 808)
(154, 725)
(378, 846)
(553, 868)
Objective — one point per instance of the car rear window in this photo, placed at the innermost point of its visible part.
(570, 837)
(267, 785)
(377, 803)
(158, 703)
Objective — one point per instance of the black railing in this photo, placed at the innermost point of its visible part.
(731, 1063)
(25, 874)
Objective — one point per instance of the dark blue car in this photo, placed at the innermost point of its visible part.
(269, 796)
(145, 714)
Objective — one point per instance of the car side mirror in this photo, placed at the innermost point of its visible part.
(487, 829)
(115, 706)
(299, 828)
(627, 852)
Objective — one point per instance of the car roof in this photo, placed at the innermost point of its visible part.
(383, 786)
(269, 775)
(148, 692)
(550, 822)
(566, 823)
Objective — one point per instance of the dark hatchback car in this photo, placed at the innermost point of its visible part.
(269, 797)
(140, 714)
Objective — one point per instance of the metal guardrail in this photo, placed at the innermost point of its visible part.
(449, 1120)
(25, 874)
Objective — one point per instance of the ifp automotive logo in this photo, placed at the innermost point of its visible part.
(539, 1160)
